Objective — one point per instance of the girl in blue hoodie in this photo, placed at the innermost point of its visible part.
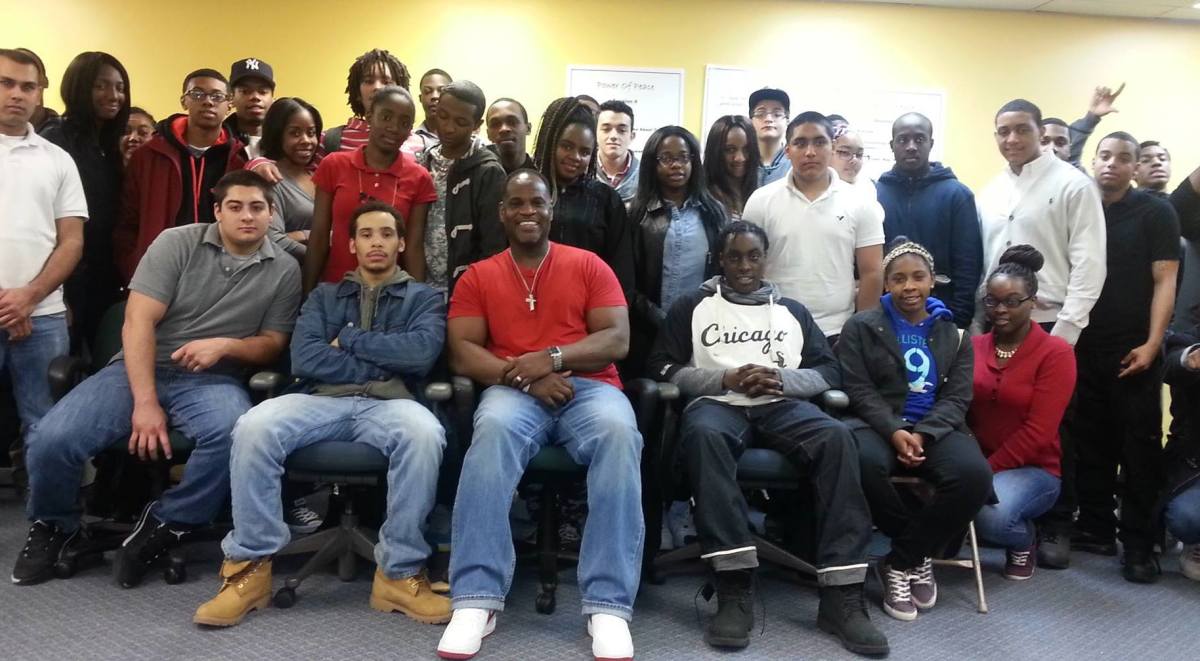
(908, 372)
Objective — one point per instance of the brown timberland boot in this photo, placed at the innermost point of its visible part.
(411, 596)
(246, 586)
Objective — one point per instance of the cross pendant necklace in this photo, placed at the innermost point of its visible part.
(530, 298)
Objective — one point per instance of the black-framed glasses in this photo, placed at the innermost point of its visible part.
(846, 154)
(671, 159)
(768, 114)
(1012, 302)
(199, 95)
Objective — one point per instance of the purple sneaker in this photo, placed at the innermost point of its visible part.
(897, 595)
(1019, 563)
(922, 586)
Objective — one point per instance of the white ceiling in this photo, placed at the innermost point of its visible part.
(1181, 10)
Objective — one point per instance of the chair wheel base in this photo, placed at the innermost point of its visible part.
(175, 573)
(285, 598)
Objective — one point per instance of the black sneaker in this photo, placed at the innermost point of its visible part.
(149, 541)
(1140, 566)
(43, 547)
(843, 613)
(1054, 549)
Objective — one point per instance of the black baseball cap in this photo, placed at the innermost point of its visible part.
(250, 67)
(771, 94)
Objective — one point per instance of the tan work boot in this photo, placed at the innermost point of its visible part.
(411, 596)
(247, 586)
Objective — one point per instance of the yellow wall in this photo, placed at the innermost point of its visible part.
(521, 48)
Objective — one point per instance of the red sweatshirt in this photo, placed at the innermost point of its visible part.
(153, 189)
(1017, 409)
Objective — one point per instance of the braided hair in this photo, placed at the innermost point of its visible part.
(560, 114)
(1021, 261)
(365, 64)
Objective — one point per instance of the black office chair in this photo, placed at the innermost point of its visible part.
(349, 468)
(757, 469)
(554, 470)
(65, 373)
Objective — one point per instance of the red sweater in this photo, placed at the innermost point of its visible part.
(1017, 409)
(153, 188)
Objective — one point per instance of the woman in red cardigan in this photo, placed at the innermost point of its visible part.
(1024, 378)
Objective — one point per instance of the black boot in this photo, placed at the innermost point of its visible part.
(1140, 566)
(843, 613)
(731, 626)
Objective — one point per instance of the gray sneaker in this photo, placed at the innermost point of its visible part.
(922, 586)
(897, 593)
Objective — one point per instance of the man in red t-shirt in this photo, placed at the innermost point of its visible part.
(539, 326)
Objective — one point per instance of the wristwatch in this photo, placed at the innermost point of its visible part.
(556, 358)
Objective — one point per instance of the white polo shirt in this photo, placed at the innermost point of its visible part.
(39, 184)
(811, 256)
(1055, 208)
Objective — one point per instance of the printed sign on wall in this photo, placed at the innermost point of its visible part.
(655, 95)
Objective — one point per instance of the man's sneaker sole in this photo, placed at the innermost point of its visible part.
(231, 621)
(866, 650)
(1017, 577)
(899, 614)
(304, 529)
(384, 606)
(40, 577)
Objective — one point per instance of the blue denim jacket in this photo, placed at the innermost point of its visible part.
(405, 339)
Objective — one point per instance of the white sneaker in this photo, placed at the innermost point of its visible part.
(1189, 561)
(610, 638)
(466, 631)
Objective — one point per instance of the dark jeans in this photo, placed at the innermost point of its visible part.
(1062, 515)
(1118, 422)
(715, 434)
(961, 480)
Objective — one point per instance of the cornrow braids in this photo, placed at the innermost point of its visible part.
(560, 114)
(366, 63)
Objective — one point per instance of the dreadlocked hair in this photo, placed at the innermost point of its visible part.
(366, 63)
(560, 114)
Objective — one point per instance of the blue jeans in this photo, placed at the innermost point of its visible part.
(1025, 494)
(28, 364)
(1183, 515)
(598, 429)
(402, 430)
(96, 415)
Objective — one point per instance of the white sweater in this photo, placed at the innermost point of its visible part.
(1055, 208)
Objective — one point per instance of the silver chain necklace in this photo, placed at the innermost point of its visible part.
(530, 299)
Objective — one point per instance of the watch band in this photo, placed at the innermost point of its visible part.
(556, 358)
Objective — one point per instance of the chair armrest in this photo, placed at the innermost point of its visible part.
(439, 391)
(464, 393)
(834, 400)
(667, 391)
(266, 382)
(64, 373)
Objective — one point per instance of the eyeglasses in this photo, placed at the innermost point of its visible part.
(846, 154)
(1012, 302)
(672, 159)
(199, 95)
(769, 114)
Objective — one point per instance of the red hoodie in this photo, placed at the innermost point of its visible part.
(154, 187)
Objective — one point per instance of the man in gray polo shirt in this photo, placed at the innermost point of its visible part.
(206, 302)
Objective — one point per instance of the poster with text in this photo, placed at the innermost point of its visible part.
(655, 95)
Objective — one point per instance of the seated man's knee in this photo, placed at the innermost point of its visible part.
(1183, 519)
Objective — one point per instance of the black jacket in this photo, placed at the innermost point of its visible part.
(649, 237)
(589, 214)
(100, 174)
(1182, 460)
(873, 376)
(474, 187)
